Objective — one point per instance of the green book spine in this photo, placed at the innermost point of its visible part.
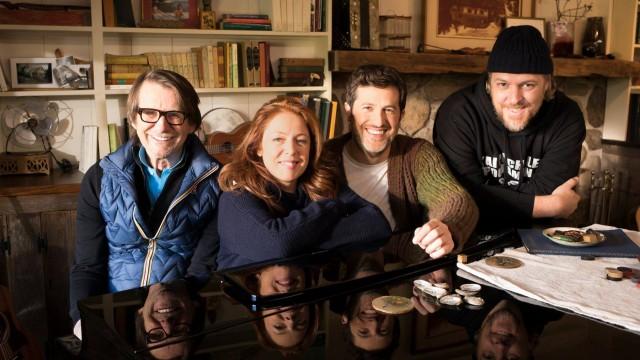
(113, 137)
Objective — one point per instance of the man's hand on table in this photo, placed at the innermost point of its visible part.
(434, 238)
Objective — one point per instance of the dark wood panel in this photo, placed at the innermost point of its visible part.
(56, 183)
(4, 274)
(37, 203)
(623, 159)
(26, 273)
(58, 229)
(442, 63)
(434, 335)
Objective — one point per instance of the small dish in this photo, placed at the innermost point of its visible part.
(552, 234)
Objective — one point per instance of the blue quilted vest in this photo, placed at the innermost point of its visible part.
(138, 257)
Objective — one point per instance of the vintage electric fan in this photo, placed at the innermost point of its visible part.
(30, 129)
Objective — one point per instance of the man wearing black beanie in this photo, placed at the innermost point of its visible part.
(512, 139)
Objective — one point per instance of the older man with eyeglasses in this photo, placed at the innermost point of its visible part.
(146, 212)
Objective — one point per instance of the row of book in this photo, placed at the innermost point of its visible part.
(118, 134)
(221, 65)
(298, 15)
(326, 112)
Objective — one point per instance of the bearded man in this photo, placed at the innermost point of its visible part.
(429, 211)
(512, 139)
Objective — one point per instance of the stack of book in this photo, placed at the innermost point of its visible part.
(124, 69)
(301, 71)
(395, 33)
(245, 22)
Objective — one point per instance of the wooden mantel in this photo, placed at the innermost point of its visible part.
(443, 63)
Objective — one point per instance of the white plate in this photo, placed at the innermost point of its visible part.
(549, 231)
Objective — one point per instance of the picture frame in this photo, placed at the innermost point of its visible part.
(451, 25)
(538, 23)
(179, 12)
(28, 73)
(74, 76)
(207, 20)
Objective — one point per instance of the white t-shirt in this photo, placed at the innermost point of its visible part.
(370, 182)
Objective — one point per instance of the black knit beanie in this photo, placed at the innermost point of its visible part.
(520, 50)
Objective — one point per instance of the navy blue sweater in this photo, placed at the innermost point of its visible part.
(249, 232)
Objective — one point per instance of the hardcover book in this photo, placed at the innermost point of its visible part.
(616, 244)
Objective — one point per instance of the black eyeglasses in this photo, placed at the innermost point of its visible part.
(173, 117)
(158, 334)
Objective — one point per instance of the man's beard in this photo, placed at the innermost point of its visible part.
(513, 126)
(357, 138)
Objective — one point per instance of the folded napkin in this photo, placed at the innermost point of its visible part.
(570, 283)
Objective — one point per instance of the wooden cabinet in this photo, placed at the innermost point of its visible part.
(37, 237)
(37, 255)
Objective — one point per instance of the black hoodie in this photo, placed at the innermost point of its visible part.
(475, 145)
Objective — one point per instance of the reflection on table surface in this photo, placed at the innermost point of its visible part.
(321, 306)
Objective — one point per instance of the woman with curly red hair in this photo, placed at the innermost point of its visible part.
(280, 201)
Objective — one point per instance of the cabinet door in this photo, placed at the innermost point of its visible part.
(4, 252)
(25, 273)
(58, 231)
(434, 335)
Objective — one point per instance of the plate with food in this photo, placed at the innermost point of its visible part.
(570, 236)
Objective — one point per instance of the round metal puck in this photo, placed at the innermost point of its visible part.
(614, 274)
(392, 305)
(504, 262)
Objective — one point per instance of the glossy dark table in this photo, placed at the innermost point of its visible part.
(320, 306)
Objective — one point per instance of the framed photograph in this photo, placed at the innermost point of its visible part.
(32, 73)
(74, 76)
(457, 24)
(184, 12)
(537, 23)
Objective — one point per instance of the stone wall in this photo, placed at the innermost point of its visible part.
(426, 93)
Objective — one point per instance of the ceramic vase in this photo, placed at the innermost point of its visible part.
(561, 38)
(593, 43)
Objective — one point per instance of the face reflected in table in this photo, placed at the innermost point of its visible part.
(288, 329)
(323, 305)
(504, 335)
(167, 314)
